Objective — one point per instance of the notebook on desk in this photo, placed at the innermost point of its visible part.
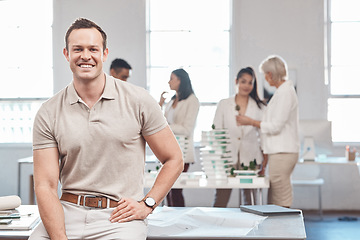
(27, 221)
(269, 210)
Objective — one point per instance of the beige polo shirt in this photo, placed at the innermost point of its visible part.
(102, 149)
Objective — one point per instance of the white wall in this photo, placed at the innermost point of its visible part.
(290, 28)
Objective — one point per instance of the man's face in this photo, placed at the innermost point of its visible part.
(85, 53)
(122, 73)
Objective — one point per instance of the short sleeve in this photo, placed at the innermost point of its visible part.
(152, 117)
(42, 132)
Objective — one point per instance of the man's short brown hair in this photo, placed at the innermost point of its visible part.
(84, 23)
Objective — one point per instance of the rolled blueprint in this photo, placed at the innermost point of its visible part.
(9, 202)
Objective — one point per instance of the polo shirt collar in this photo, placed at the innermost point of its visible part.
(73, 96)
(109, 91)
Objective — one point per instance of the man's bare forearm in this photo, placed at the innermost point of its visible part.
(52, 213)
(166, 178)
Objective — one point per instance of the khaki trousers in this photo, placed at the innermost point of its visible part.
(92, 223)
(281, 165)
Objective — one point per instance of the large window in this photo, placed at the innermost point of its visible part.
(25, 65)
(344, 49)
(193, 35)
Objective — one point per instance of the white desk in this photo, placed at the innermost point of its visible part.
(185, 181)
(279, 227)
(15, 235)
(259, 183)
(20, 234)
(290, 227)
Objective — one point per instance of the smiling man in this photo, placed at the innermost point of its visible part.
(91, 136)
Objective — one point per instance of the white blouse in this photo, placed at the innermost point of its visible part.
(182, 121)
(280, 123)
(170, 114)
(245, 140)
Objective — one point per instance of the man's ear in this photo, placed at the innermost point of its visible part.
(105, 54)
(66, 54)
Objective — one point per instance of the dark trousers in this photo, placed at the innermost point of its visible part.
(175, 197)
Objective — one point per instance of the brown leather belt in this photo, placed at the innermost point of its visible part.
(89, 200)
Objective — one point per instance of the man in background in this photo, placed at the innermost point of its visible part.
(120, 69)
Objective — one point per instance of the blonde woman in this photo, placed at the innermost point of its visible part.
(279, 129)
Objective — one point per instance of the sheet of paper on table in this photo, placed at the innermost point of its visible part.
(204, 222)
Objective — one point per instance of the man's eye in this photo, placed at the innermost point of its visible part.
(77, 50)
(93, 50)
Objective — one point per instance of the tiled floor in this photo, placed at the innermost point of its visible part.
(334, 226)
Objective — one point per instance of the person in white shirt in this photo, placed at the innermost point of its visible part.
(181, 114)
(279, 128)
(245, 140)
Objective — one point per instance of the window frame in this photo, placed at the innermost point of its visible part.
(203, 104)
(329, 66)
(17, 112)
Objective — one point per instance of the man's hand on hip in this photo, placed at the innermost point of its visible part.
(128, 210)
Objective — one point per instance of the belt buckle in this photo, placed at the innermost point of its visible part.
(92, 196)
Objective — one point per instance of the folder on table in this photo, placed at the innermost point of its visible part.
(269, 210)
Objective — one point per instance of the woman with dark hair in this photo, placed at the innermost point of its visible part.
(245, 140)
(181, 113)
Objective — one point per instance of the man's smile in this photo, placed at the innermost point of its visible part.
(82, 65)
